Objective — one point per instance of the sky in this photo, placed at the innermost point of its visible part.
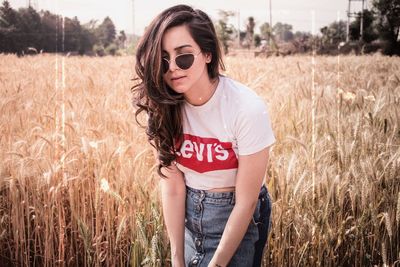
(133, 16)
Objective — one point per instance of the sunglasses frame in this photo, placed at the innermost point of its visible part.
(174, 59)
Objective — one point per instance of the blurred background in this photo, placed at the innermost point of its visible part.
(269, 27)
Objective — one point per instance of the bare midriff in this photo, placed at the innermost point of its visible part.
(222, 189)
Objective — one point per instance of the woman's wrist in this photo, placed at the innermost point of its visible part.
(177, 255)
(177, 261)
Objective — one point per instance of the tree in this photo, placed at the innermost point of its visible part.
(72, 32)
(257, 40)
(388, 12)
(283, 31)
(49, 32)
(112, 49)
(89, 38)
(266, 31)
(369, 32)
(77, 38)
(334, 33)
(9, 32)
(50, 41)
(122, 39)
(99, 50)
(106, 32)
(250, 31)
(87, 41)
(302, 41)
(224, 31)
(30, 27)
(302, 35)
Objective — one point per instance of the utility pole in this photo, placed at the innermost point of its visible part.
(238, 12)
(33, 3)
(270, 13)
(348, 23)
(354, 14)
(133, 18)
(362, 22)
(270, 21)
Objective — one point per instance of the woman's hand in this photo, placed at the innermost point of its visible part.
(249, 179)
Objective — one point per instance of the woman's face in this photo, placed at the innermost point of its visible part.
(177, 41)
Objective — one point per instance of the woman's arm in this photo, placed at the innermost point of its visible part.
(173, 196)
(249, 179)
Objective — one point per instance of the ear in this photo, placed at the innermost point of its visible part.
(208, 57)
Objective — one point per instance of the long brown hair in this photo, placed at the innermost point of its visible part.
(161, 103)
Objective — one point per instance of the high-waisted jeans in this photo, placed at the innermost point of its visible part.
(206, 216)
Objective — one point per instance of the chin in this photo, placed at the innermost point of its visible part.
(180, 89)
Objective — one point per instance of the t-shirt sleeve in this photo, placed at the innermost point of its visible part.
(253, 128)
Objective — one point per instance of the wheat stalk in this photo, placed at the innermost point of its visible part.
(388, 225)
(384, 254)
(349, 151)
(398, 210)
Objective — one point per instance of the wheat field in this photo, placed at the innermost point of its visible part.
(78, 184)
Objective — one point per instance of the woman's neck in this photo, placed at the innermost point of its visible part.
(203, 92)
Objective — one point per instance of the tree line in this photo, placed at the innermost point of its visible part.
(381, 26)
(26, 30)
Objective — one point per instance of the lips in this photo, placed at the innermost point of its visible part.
(176, 78)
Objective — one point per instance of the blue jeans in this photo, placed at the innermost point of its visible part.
(263, 223)
(206, 216)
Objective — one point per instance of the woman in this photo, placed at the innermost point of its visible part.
(211, 136)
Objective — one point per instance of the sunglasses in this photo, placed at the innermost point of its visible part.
(183, 61)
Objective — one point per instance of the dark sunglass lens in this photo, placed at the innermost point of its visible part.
(164, 65)
(184, 61)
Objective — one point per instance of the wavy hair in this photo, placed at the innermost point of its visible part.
(152, 95)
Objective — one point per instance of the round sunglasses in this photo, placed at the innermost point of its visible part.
(183, 61)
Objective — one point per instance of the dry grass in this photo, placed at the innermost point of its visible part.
(78, 184)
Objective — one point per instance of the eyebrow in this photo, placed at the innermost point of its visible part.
(179, 48)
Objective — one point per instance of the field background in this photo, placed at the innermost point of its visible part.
(78, 185)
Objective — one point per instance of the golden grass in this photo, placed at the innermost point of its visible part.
(78, 183)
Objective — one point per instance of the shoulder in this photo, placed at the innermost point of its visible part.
(243, 98)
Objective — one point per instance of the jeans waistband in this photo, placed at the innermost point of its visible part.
(222, 195)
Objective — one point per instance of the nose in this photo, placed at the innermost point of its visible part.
(172, 65)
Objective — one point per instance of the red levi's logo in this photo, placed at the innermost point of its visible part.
(206, 154)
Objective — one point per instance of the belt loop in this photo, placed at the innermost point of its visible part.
(202, 195)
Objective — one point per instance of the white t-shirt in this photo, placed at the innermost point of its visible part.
(233, 122)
